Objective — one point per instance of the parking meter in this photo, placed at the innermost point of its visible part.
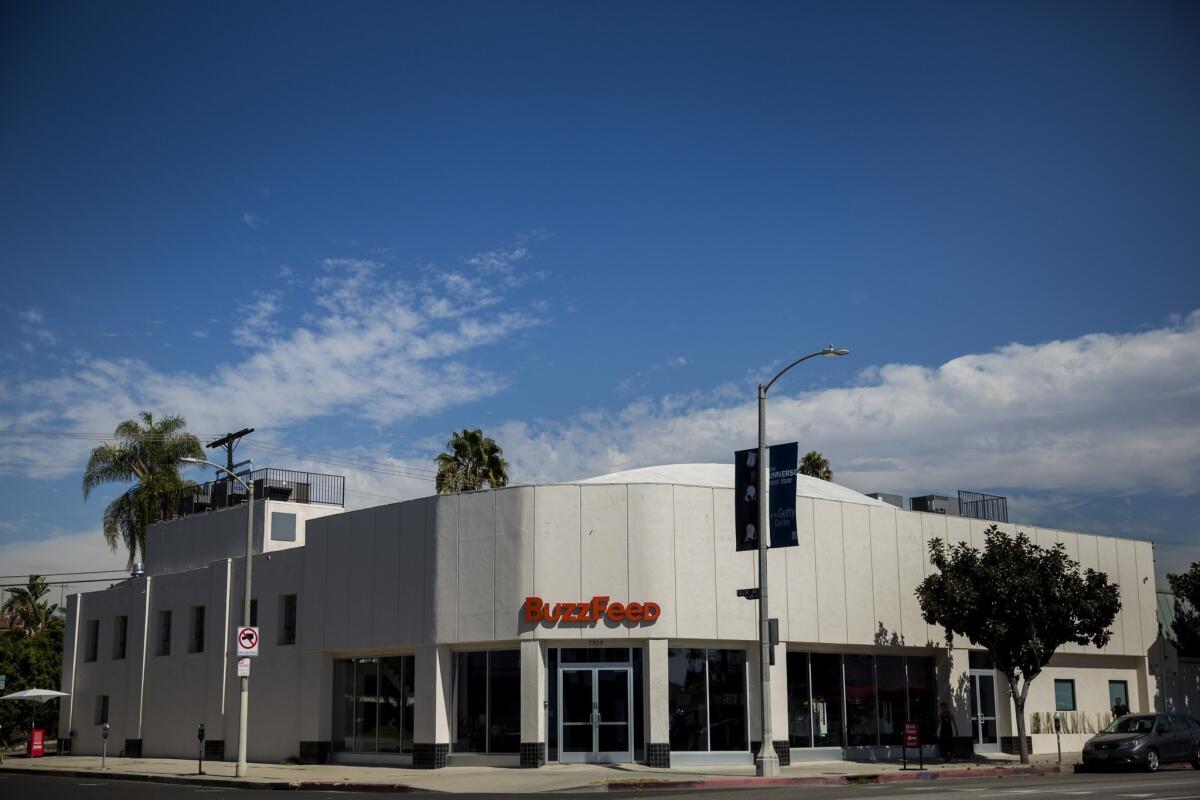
(1058, 733)
(104, 730)
(200, 741)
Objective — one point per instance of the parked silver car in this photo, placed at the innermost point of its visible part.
(1145, 740)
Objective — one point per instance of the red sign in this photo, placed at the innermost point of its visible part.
(537, 610)
(37, 743)
(912, 734)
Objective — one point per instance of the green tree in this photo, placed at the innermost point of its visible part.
(148, 452)
(471, 461)
(25, 608)
(1185, 628)
(31, 661)
(1018, 601)
(816, 465)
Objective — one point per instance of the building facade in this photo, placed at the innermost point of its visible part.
(587, 621)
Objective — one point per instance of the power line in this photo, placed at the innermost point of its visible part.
(57, 574)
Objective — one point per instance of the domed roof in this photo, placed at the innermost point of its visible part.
(720, 476)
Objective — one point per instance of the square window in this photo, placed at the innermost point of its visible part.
(1064, 695)
(283, 527)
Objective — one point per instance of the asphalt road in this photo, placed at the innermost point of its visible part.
(1172, 785)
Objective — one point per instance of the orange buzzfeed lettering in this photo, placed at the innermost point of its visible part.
(536, 610)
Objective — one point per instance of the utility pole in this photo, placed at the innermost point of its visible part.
(229, 441)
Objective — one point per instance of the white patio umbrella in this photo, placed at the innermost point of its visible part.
(34, 696)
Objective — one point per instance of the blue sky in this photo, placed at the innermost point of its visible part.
(590, 229)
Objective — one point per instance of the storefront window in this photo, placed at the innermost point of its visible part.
(707, 699)
(799, 701)
(373, 704)
(487, 701)
(880, 694)
(891, 688)
(860, 701)
(827, 699)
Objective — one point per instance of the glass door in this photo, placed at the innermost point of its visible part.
(983, 711)
(595, 719)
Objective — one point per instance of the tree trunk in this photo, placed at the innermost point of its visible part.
(1019, 705)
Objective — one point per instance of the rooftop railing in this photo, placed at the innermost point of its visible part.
(270, 484)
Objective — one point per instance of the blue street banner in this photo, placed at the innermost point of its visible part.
(783, 494)
(745, 499)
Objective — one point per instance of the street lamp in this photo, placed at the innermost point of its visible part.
(244, 714)
(766, 763)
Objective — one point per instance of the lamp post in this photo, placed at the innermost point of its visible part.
(244, 713)
(766, 763)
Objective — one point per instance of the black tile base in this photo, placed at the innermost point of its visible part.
(214, 749)
(658, 755)
(430, 756)
(314, 752)
(64, 747)
(133, 748)
(533, 755)
(783, 751)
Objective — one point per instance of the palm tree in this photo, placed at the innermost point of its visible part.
(25, 608)
(472, 461)
(816, 465)
(148, 452)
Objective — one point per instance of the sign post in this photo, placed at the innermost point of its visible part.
(912, 738)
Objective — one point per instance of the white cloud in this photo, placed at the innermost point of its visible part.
(33, 326)
(1103, 412)
(65, 552)
(253, 220)
(256, 322)
(375, 346)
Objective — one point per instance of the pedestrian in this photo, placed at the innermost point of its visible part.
(1119, 709)
(947, 730)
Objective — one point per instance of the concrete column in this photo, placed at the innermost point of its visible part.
(435, 703)
(533, 704)
(316, 707)
(66, 707)
(1149, 684)
(779, 700)
(218, 658)
(658, 711)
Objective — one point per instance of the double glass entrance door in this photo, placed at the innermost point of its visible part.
(596, 713)
(983, 712)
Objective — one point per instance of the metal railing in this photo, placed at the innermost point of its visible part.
(978, 505)
(271, 484)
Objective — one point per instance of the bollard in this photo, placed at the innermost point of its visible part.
(104, 729)
(200, 758)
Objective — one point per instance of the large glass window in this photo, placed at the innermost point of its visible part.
(487, 701)
(1064, 695)
(827, 699)
(799, 701)
(860, 701)
(707, 698)
(373, 704)
(878, 694)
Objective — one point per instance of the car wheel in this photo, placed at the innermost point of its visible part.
(1152, 760)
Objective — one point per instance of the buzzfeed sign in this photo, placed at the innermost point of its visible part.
(536, 610)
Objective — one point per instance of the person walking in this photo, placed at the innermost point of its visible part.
(947, 730)
(1119, 709)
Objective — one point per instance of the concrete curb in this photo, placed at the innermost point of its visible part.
(142, 777)
(840, 780)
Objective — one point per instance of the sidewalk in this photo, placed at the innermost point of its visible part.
(551, 778)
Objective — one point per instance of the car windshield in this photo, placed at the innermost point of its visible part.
(1131, 725)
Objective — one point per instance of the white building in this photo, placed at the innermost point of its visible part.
(403, 633)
